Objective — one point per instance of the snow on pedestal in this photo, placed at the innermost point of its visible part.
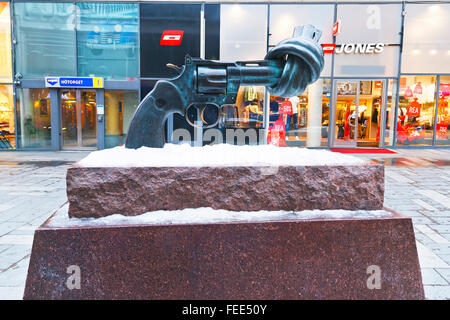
(207, 215)
(220, 155)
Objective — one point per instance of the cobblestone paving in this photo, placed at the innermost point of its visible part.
(32, 186)
(417, 184)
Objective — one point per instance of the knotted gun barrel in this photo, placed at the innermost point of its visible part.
(286, 71)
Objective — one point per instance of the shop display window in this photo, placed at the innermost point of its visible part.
(7, 126)
(443, 114)
(45, 34)
(416, 110)
(5, 43)
(247, 112)
(107, 40)
(34, 118)
(120, 106)
(302, 120)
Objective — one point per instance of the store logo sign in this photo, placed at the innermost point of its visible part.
(366, 48)
(351, 47)
(328, 48)
(171, 37)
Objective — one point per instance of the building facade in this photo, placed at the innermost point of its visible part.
(73, 73)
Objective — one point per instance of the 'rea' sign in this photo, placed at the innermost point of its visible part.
(171, 37)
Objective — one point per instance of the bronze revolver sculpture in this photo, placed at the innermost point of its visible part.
(286, 71)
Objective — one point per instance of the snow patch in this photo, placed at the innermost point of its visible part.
(219, 155)
(207, 215)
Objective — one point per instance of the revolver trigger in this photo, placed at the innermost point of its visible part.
(171, 65)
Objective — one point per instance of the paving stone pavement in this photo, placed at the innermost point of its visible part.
(32, 186)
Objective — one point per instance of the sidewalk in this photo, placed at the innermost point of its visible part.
(32, 186)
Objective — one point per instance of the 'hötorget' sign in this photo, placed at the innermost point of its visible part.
(73, 82)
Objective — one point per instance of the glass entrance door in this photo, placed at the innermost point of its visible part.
(358, 108)
(79, 119)
(345, 106)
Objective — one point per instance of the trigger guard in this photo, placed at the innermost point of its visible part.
(202, 127)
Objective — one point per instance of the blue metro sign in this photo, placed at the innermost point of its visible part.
(73, 82)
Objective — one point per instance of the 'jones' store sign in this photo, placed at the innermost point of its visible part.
(353, 48)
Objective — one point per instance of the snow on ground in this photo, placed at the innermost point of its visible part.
(207, 215)
(218, 155)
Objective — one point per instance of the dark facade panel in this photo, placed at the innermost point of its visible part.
(212, 31)
(155, 19)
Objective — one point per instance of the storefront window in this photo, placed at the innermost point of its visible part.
(443, 116)
(107, 40)
(5, 43)
(374, 49)
(7, 139)
(120, 106)
(417, 103)
(33, 108)
(45, 34)
(302, 120)
(390, 112)
(426, 41)
(285, 17)
(243, 36)
(243, 32)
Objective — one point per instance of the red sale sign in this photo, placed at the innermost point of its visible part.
(171, 37)
(442, 126)
(286, 107)
(277, 134)
(413, 109)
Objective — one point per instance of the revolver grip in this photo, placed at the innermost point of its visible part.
(147, 125)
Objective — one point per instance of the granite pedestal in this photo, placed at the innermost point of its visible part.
(98, 192)
(286, 259)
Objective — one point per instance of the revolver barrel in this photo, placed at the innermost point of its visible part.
(213, 80)
(256, 75)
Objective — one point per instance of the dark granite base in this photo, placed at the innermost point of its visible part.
(301, 259)
(98, 192)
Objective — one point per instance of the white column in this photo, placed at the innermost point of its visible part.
(314, 114)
